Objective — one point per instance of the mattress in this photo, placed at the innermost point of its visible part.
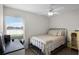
(47, 43)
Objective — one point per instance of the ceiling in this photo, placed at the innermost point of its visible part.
(42, 9)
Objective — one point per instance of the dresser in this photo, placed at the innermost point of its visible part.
(75, 40)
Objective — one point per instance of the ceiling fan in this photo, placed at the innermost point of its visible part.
(52, 11)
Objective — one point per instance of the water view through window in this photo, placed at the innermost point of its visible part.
(14, 26)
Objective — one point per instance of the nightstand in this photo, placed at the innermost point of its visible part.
(75, 40)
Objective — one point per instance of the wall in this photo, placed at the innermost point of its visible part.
(1, 18)
(34, 24)
(1, 28)
(69, 20)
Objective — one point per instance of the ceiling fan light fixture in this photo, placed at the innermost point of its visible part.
(50, 13)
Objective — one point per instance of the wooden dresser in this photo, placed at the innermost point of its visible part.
(75, 40)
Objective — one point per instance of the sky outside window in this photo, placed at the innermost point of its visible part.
(13, 21)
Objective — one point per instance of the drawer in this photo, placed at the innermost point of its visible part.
(73, 39)
(74, 45)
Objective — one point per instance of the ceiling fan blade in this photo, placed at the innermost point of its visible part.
(58, 9)
(56, 12)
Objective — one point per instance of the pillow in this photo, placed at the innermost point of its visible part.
(61, 33)
(53, 32)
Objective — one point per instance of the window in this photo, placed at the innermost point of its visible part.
(14, 27)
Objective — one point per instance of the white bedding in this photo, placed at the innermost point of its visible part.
(47, 43)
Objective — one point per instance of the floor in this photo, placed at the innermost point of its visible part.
(67, 51)
(63, 51)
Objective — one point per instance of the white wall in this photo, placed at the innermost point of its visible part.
(69, 20)
(2, 27)
(1, 18)
(34, 24)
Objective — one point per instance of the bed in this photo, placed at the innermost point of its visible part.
(50, 41)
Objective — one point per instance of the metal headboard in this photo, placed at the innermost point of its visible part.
(57, 29)
(63, 29)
